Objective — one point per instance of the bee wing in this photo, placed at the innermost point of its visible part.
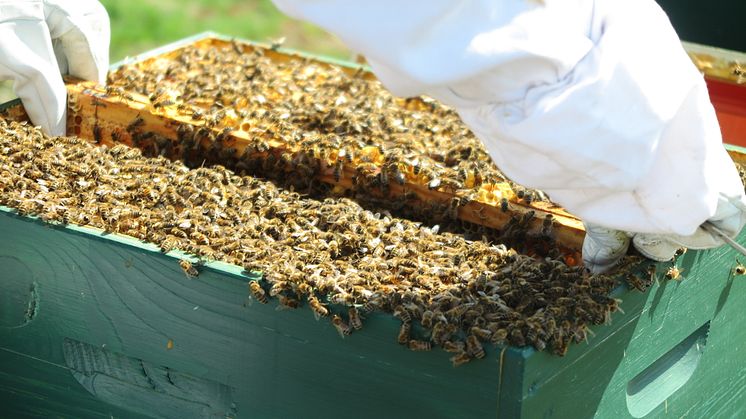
(341, 332)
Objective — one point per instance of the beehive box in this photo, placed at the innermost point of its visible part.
(725, 77)
(101, 324)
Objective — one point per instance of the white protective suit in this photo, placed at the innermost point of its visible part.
(593, 101)
(42, 39)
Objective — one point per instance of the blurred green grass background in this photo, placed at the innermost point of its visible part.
(140, 25)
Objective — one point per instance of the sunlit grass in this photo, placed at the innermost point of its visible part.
(140, 25)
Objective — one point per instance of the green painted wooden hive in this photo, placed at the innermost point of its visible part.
(102, 325)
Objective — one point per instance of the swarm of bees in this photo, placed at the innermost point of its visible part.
(342, 261)
(327, 121)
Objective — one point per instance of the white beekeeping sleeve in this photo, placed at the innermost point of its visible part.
(41, 39)
(594, 102)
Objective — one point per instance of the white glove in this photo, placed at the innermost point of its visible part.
(604, 247)
(42, 39)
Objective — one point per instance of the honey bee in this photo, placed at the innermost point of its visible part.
(275, 44)
(160, 99)
(355, 319)
(304, 289)
(183, 108)
(118, 92)
(499, 337)
(453, 346)
(367, 169)
(403, 314)
(427, 319)
(460, 359)
(237, 47)
(342, 328)
(278, 287)
(287, 302)
(453, 207)
(474, 347)
(49, 216)
(404, 332)
(547, 225)
(342, 298)
(197, 114)
(383, 181)
(482, 334)
(457, 312)
(371, 305)
(136, 124)
(199, 238)
(636, 282)
(651, 271)
(740, 72)
(399, 177)
(189, 270)
(674, 273)
(258, 292)
(580, 333)
(319, 310)
(451, 185)
(167, 245)
(441, 332)
(73, 104)
(739, 269)
(419, 345)
(517, 338)
(97, 135)
(224, 135)
(179, 233)
(338, 170)
(416, 166)
(344, 155)
(504, 206)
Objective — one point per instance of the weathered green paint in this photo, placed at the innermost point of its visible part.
(702, 311)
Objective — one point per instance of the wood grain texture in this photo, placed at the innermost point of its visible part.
(595, 381)
(143, 387)
(128, 302)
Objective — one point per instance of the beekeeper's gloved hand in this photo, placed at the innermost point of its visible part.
(604, 247)
(42, 39)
